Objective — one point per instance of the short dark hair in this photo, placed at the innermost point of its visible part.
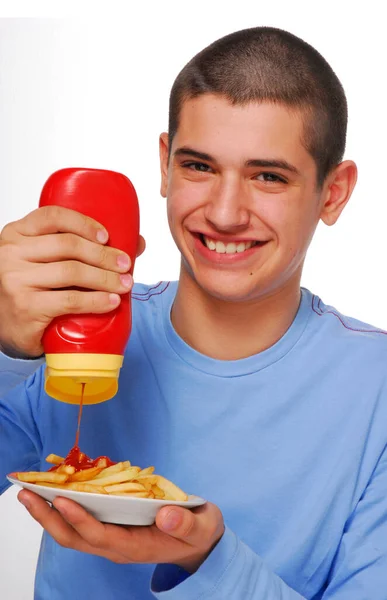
(266, 64)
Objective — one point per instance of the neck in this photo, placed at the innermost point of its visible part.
(232, 330)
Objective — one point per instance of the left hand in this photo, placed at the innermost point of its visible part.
(180, 536)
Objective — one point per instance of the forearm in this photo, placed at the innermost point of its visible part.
(232, 570)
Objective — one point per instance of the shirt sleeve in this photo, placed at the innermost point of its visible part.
(20, 443)
(359, 570)
(233, 570)
(14, 371)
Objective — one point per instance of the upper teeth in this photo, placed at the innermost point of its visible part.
(230, 248)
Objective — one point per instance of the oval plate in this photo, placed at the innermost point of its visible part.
(122, 510)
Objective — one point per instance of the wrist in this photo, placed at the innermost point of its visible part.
(192, 564)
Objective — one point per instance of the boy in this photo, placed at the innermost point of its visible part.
(240, 386)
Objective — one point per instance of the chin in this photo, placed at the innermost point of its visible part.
(230, 290)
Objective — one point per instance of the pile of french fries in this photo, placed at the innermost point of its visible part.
(121, 479)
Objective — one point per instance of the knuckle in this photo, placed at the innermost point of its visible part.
(98, 301)
(21, 305)
(72, 300)
(68, 244)
(7, 251)
(213, 530)
(104, 278)
(88, 226)
(69, 271)
(63, 539)
(9, 282)
(7, 231)
(102, 256)
(97, 536)
(51, 213)
(86, 221)
(187, 526)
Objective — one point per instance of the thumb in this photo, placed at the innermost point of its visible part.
(178, 522)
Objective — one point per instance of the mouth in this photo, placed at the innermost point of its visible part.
(220, 247)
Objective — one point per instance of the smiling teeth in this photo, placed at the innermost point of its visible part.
(230, 248)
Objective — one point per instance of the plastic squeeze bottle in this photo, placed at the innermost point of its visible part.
(88, 348)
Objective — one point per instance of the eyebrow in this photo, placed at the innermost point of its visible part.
(255, 162)
(185, 151)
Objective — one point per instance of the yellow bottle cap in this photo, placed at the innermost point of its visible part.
(99, 372)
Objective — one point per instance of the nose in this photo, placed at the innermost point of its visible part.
(227, 206)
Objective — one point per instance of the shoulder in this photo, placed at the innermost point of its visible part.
(150, 300)
(13, 371)
(344, 332)
(142, 292)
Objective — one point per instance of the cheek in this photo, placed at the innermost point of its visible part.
(183, 199)
(293, 225)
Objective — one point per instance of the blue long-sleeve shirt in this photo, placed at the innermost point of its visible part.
(289, 443)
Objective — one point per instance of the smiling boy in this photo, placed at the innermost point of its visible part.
(241, 386)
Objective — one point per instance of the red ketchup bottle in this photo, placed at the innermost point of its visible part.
(88, 349)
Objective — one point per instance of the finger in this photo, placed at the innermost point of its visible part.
(49, 519)
(141, 246)
(88, 528)
(52, 304)
(56, 219)
(58, 247)
(134, 544)
(196, 527)
(54, 523)
(178, 522)
(71, 273)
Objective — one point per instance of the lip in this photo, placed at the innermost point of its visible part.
(223, 258)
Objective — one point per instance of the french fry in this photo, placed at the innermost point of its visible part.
(124, 487)
(147, 480)
(85, 487)
(42, 476)
(120, 477)
(85, 474)
(170, 489)
(54, 459)
(120, 466)
(146, 472)
(158, 492)
(76, 487)
(68, 469)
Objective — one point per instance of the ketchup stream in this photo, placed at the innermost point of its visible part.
(77, 459)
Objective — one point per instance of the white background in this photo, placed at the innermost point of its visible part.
(92, 91)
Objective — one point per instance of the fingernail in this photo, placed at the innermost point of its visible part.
(126, 280)
(123, 261)
(25, 502)
(172, 520)
(114, 299)
(102, 236)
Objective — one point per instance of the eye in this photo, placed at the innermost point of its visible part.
(197, 166)
(270, 178)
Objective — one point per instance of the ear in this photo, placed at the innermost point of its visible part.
(339, 187)
(163, 151)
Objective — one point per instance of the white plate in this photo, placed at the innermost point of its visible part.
(122, 510)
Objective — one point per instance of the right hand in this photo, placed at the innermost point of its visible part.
(51, 249)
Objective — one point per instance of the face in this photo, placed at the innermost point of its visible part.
(242, 197)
